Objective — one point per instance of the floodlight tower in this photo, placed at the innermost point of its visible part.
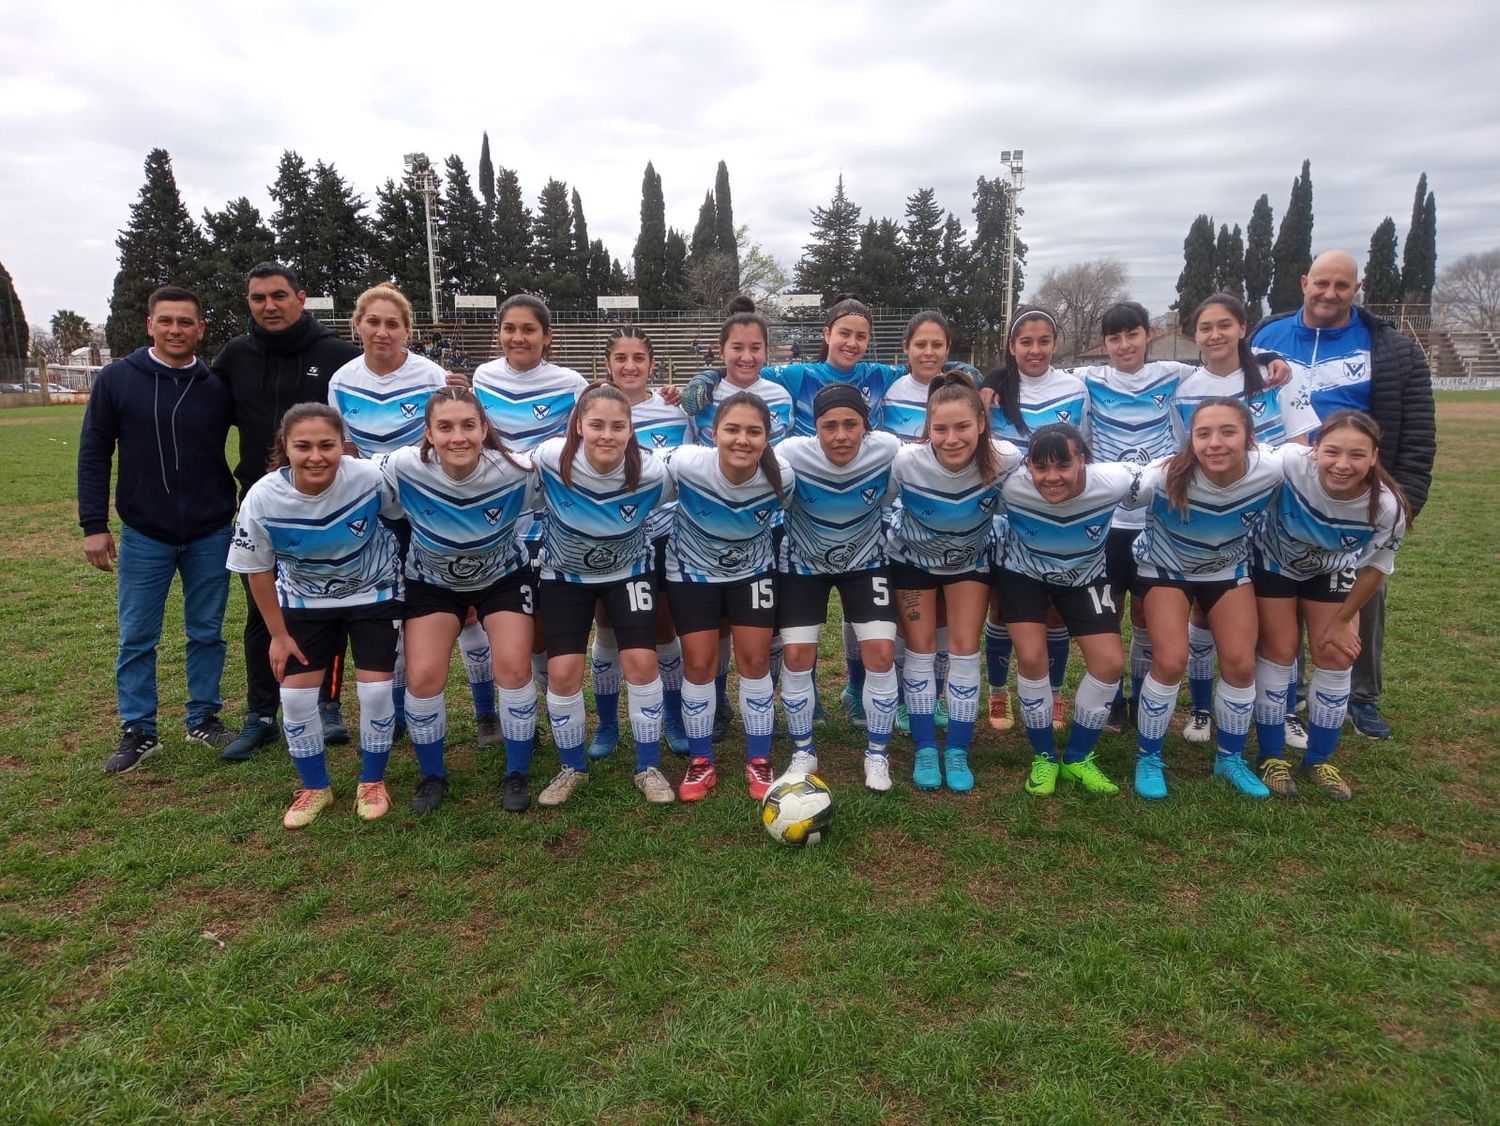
(420, 169)
(1011, 158)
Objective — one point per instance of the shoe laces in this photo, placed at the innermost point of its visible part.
(1327, 774)
(761, 771)
(698, 770)
(1277, 769)
(1200, 719)
(304, 799)
(1040, 763)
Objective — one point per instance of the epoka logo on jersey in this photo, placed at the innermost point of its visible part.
(628, 511)
(358, 526)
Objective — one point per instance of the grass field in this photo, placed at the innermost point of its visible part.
(167, 951)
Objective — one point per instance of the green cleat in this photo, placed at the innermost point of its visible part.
(1043, 778)
(1088, 775)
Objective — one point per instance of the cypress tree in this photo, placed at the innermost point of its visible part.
(15, 333)
(705, 240)
(1382, 283)
(827, 264)
(510, 256)
(1292, 253)
(487, 180)
(1258, 260)
(651, 243)
(1229, 262)
(674, 275)
(583, 249)
(923, 248)
(728, 237)
(159, 246)
(1196, 282)
(1419, 267)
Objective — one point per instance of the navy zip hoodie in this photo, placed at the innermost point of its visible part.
(170, 425)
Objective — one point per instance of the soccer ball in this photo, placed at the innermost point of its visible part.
(797, 810)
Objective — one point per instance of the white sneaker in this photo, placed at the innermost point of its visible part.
(1198, 728)
(654, 785)
(561, 788)
(877, 773)
(1296, 733)
(803, 762)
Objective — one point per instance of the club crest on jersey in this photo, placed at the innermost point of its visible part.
(1065, 415)
(628, 511)
(492, 515)
(1094, 531)
(358, 527)
(1248, 519)
(869, 494)
(658, 439)
(1257, 407)
(1158, 398)
(762, 515)
(409, 409)
(1354, 370)
(541, 410)
(987, 504)
(1348, 542)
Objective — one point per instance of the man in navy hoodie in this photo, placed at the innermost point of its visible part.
(169, 417)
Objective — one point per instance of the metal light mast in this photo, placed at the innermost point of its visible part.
(1011, 158)
(426, 180)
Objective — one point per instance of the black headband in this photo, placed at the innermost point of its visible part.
(835, 395)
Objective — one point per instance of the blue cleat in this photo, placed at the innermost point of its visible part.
(926, 774)
(605, 740)
(854, 706)
(1150, 781)
(1240, 776)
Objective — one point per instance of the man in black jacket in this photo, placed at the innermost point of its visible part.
(286, 357)
(1345, 357)
(169, 418)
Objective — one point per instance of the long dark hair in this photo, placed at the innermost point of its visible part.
(741, 311)
(844, 305)
(491, 439)
(1184, 463)
(954, 387)
(301, 412)
(1379, 477)
(768, 463)
(574, 439)
(1255, 382)
(1007, 377)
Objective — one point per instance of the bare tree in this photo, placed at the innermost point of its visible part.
(1078, 294)
(761, 275)
(1467, 295)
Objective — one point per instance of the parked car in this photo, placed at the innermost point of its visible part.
(6, 388)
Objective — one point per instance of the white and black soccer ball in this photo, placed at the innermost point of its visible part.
(797, 810)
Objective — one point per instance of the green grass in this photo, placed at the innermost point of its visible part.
(168, 951)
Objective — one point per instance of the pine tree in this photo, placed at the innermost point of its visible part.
(1229, 262)
(510, 256)
(705, 239)
(465, 243)
(1419, 266)
(1196, 282)
(728, 237)
(991, 226)
(292, 221)
(957, 281)
(339, 255)
(598, 277)
(1292, 252)
(674, 275)
(1382, 282)
(827, 265)
(552, 247)
(619, 280)
(159, 246)
(880, 266)
(923, 248)
(400, 254)
(1258, 260)
(651, 244)
(238, 241)
(15, 333)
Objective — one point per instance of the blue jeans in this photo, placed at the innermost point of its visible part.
(146, 567)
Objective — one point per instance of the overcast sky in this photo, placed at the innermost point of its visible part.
(1134, 117)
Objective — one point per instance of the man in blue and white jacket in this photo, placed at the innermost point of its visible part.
(1343, 357)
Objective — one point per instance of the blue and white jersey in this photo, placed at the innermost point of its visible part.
(660, 427)
(1280, 413)
(328, 550)
(463, 532)
(833, 524)
(384, 412)
(1306, 532)
(527, 407)
(722, 532)
(775, 396)
(903, 411)
(1053, 396)
(945, 521)
(594, 531)
(1063, 544)
(1211, 543)
(1332, 365)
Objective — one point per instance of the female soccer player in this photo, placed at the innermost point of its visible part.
(720, 565)
(940, 539)
(598, 492)
(1328, 542)
(322, 566)
(659, 427)
(1203, 505)
(1027, 393)
(1054, 560)
(834, 538)
(463, 493)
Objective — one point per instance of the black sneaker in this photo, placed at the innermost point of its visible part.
(331, 713)
(135, 747)
(1119, 716)
(517, 793)
(723, 717)
(429, 795)
(487, 727)
(211, 733)
(259, 732)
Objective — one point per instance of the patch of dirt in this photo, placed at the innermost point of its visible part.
(899, 867)
(567, 844)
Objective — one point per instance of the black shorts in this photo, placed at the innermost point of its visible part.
(865, 595)
(1119, 561)
(906, 577)
(514, 594)
(320, 634)
(701, 606)
(1333, 587)
(568, 613)
(1205, 594)
(1084, 610)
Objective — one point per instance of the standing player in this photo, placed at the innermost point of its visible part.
(462, 494)
(323, 566)
(1324, 550)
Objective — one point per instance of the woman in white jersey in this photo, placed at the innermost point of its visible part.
(598, 493)
(941, 540)
(462, 494)
(1203, 505)
(659, 427)
(323, 567)
(1325, 548)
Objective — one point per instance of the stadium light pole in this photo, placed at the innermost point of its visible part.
(1011, 158)
(421, 168)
